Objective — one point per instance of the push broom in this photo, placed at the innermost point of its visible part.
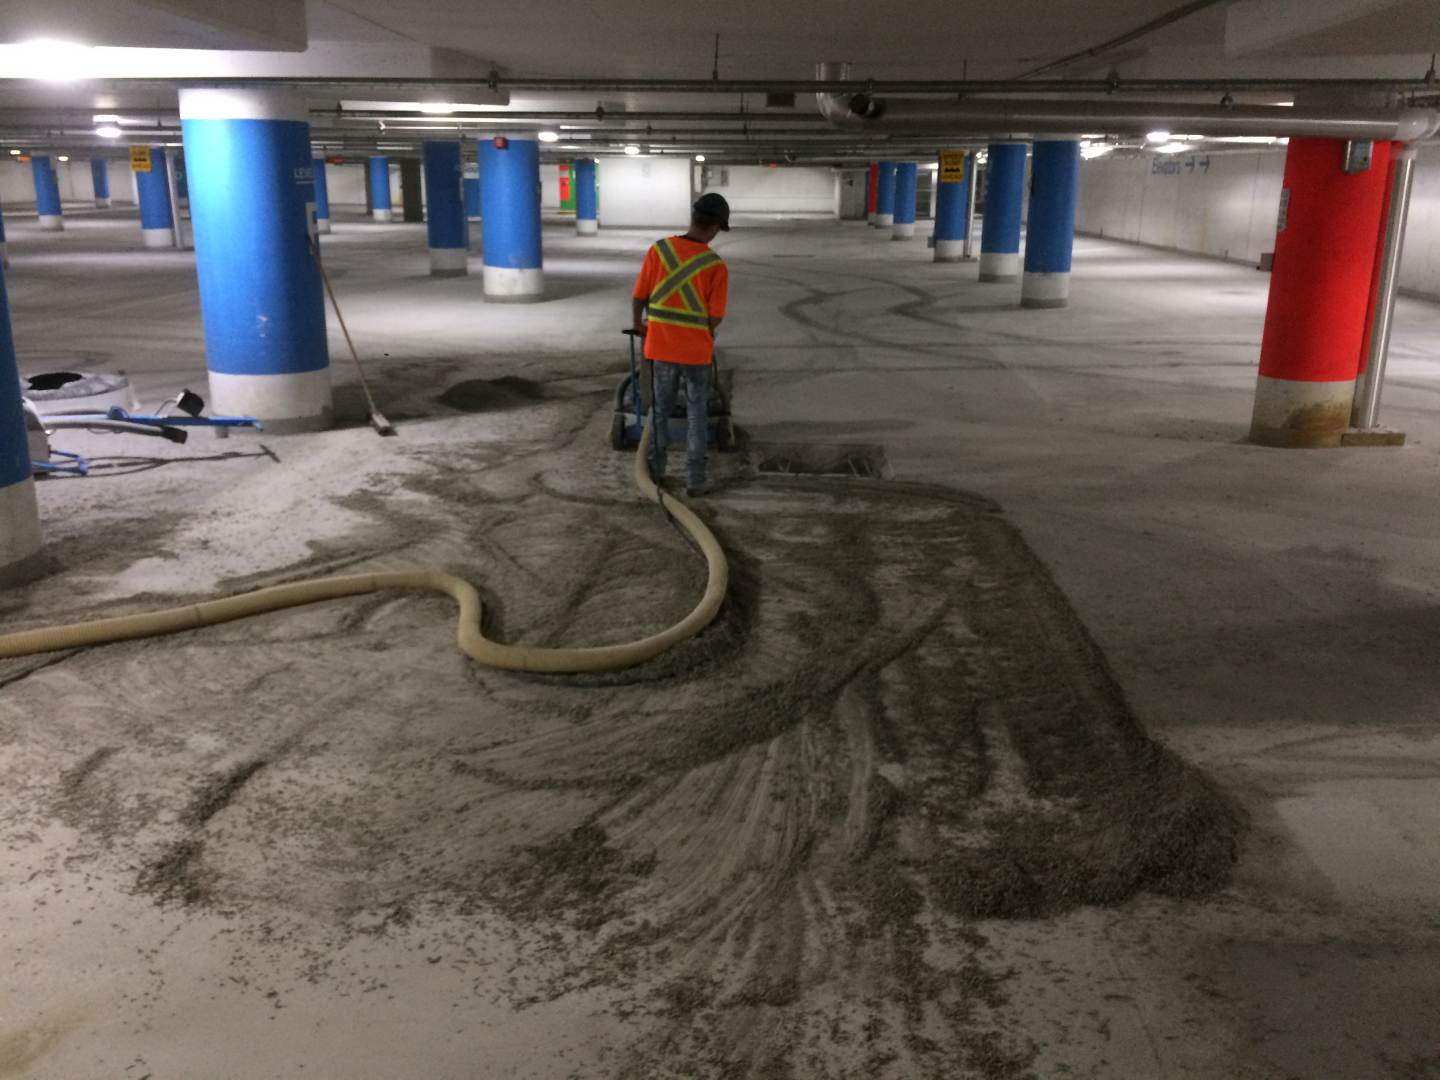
(375, 416)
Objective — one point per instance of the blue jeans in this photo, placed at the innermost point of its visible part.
(696, 378)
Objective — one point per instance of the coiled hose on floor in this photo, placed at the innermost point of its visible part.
(467, 635)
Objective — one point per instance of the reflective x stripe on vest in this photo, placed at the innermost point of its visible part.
(679, 283)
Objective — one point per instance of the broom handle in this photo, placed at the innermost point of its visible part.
(330, 292)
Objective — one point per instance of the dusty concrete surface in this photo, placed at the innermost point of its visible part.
(891, 816)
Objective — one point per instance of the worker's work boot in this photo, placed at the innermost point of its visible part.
(697, 490)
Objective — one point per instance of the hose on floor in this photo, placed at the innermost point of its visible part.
(467, 635)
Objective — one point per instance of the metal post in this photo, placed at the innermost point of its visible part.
(969, 250)
(174, 191)
(1365, 412)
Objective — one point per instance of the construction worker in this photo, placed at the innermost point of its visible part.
(684, 285)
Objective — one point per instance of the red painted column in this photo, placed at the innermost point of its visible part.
(872, 187)
(1330, 225)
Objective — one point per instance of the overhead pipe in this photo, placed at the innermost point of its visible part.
(1019, 117)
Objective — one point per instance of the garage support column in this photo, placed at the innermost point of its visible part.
(885, 195)
(1004, 200)
(4, 252)
(510, 205)
(157, 222)
(1050, 236)
(587, 206)
(19, 515)
(47, 194)
(903, 219)
(445, 225)
(952, 204)
(380, 189)
(322, 196)
(872, 189)
(261, 301)
(1327, 243)
(100, 178)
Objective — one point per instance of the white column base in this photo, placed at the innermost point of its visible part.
(158, 238)
(999, 268)
(504, 283)
(381, 216)
(19, 529)
(447, 262)
(1045, 290)
(904, 230)
(102, 204)
(1289, 413)
(949, 250)
(587, 227)
(283, 403)
(52, 222)
(322, 225)
(884, 221)
(475, 218)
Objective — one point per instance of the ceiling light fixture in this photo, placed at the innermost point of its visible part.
(63, 157)
(108, 131)
(1158, 137)
(1172, 148)
(46, 60)
(548, 136)
(15, 152)
(440, 108)
(632, 150)
(105, 118)
(1095, 150)
(700, 157)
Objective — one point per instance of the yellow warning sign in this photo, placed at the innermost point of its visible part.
(140, 158)
(952, 166)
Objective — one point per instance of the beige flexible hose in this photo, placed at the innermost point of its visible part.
(467, 635)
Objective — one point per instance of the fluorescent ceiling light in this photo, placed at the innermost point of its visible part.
(1172, 148)
(1158, 137)
(46, 60)
(632, 150)
(63, 157)
(548, 136)
(105, 118)
(15, 152)
(1262, 140)
(108, 131)
(699, 157)
(443, 108)
(1095, 150)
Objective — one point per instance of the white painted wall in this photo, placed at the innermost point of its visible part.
(1210, 204)
(1228, 210)
(345, 185)
(549, 186)
(17, 183)
(759, 189)
(644, 191)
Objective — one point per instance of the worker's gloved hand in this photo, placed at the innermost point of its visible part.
(639, 329)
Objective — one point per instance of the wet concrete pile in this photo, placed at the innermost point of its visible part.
(773, 851)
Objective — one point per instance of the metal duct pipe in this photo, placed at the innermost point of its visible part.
(1020, 117)
(1365, 412)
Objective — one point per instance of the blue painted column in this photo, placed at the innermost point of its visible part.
(19, 516)
(100, 179)
(157, 224)
(322, 196)
(380, 188)
(952, 204)
(261, 300)
(445, 224)
(47, 193)
(4, 253)
(1004, 201)
(1050, 235)
(903, 216)
(587, 202)
(510, 204)
(885, 195)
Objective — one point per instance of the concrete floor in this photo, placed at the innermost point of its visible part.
(1270, 616)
